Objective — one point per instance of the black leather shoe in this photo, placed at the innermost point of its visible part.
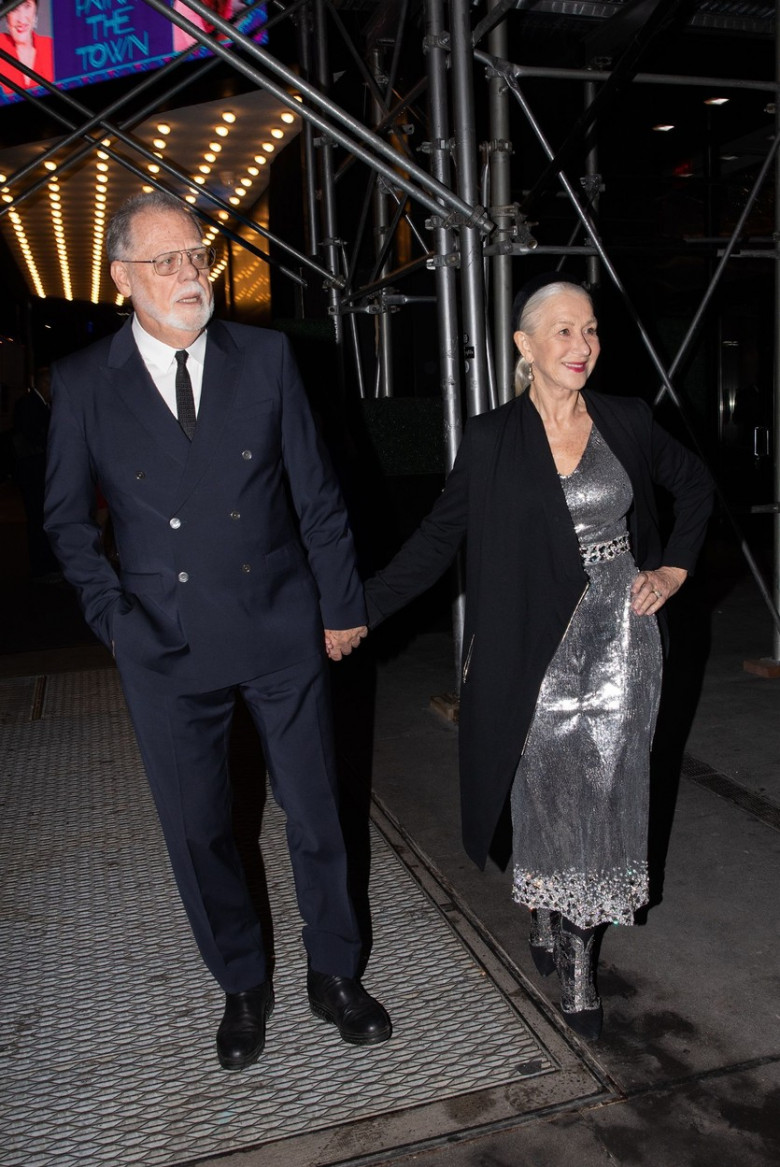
(345, 1003)
(241, 1033)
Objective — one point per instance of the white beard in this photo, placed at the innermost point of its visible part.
(183, 317)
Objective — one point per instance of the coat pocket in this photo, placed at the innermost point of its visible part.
(142, 583)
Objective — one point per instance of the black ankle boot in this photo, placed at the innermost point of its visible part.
(545, 924)
(576, 965)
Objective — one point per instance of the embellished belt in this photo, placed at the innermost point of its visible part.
(602, 552)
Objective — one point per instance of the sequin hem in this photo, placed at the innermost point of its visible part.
(606, 897)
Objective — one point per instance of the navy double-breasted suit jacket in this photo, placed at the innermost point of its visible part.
(235, 548)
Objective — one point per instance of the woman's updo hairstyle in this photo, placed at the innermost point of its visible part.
(526, 311)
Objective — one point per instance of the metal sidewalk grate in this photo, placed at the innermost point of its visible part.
(77, 694)
(17, 699)
(107, 1029)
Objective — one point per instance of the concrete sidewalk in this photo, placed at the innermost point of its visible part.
(691, 1042)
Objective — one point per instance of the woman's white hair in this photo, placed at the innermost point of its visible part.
(529, 322)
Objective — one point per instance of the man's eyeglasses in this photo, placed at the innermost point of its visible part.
(170, 261)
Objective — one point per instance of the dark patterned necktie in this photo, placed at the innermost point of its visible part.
(185, 403)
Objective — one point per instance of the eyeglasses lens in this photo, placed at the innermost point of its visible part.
(170, 262)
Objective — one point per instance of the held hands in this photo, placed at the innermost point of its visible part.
(651, 589)
(340, 642)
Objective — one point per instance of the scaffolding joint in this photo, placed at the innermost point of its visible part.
(386, 301)
(446, 145)
(477, 218)
(441, 41)
(448, 259)
(592, 184)
(499, 146)
(512, 229)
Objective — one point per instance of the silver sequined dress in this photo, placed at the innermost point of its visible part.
(581, 790)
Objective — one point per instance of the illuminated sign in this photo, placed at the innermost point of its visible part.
(83, 41)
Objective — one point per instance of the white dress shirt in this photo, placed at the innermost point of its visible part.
(160, 360)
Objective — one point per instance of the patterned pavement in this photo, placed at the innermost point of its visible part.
(107, 1028)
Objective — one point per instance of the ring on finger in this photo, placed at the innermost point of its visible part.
(658, 595)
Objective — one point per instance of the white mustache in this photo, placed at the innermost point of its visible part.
(193, 288)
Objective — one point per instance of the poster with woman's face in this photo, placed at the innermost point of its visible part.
(77, 42)
(25, 45)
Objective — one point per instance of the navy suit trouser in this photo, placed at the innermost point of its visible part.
(183, 737)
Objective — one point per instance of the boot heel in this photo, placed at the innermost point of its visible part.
(545, 924)
(574, 960)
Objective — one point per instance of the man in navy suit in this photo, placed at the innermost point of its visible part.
(237, 575)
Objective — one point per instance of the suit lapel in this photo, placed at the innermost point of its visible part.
(133, 384)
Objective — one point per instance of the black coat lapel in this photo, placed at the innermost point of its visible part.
(540, 476)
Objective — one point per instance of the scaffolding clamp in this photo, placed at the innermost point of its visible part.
(444, 144)
(499, 146)
(448, 259)
(386, 301)
(512, 229)
(441, 41)
(478, 218)
(592, 185)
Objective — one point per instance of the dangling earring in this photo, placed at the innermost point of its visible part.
(530, 371)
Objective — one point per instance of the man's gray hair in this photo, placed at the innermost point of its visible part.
(120, 228)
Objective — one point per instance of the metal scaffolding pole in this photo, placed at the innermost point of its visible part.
(330, 243)
(472, 283)
(776, 444)
(444, 272)
(383, 324)
(592, 186)
(559, 73)
(309, 164)
(502, 213)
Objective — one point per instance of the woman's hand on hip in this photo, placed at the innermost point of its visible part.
(651, 589)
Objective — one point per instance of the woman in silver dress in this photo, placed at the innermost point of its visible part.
(566, 572)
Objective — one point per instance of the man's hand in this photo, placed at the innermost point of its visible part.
(340, 642)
